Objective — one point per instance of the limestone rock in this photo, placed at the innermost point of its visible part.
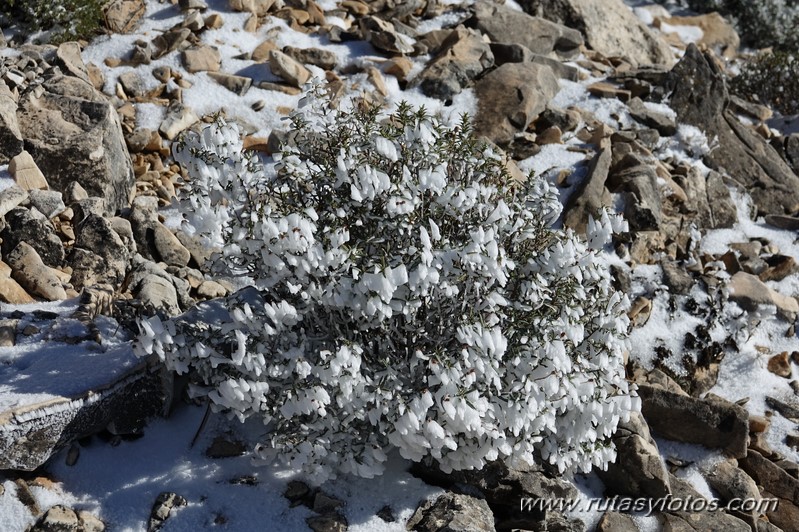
(511, 97)
(383, 36)
(74, 134)
(68, 57)
(712, 421)
(122, 16)
(750, 292)
(10, 135)
(164, 506)
(699, 96)
(616, 522)
(25, 172)
(202, 58)
(178, 118)
(638, 470)
(587, 199)
(464, 55)
(453, 512)
(324, 59)
(663, 124)
(168, 247)
(25, 226)
(609, 27)
(237, 84)
(48, 202)
(731, 482)
(541, 36)
(288, 69)
(11, 197)
(707, 521)
(31, 273)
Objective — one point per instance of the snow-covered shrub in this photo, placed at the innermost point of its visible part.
(64, 19)
(407, 294)
(771, 79)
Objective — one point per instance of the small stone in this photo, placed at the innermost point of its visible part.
(296, 492)
(780, 365)
(214, 21)
(26, 173)
(399, 67)
(164, 505)
(602, 89)
(386, 514)
(48, 202)
(186, 5)
(89, 522)
(133, 84)
(171, 251)
(750, 292)
(73, 455)
(551, 135)
(288, 69)
(202, 58)
(8, 332)
(10, 198)
(376, 78)
(332, 522)
(31, 273)
(261, 52)
(224, 448)
(178, 118)
(211, 290)
(279, 87)
(238, 84)
(759, 423)
(324, 504)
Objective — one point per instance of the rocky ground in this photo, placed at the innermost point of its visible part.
(622, 108)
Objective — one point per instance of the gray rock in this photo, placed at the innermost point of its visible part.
(74, 134)
(616, 522)
(153, 286)
(464, 56)
(83, 208)
(384, 36)
(541, 36)
(730, 483)
(324, 59)
(723, 211)
(665, 125)
(791, 149)
(706, 521)
(331, 522)
(122, 16)
(74, 192)
(711, 421)
(609, 27)
(57, 519)
(25, 226)
(587, 199)
(699, 96)
(163, 507)
(676, 277)
(511, 97)
(642, 205)
(454, 513)
(202, 58)
(96, 235)
(638, 470)
(68, 58)
(10, 135)
(48, 202)
(26, 173)
(10, 198)
(168, 247)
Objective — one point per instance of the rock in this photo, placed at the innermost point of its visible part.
(48, 202)
(712, 421)
(616, 522)
(74, 193)
(638, 470)
(168, 248)
(24, 225)
(211, 290)
(332, 522)
(706, 521)
(541, 36)
(770, 476)
(199, 252)
(786, 410)
(511, 97)
(383, 36)
(74, 134)
(663, 124)
(588, 198)
(25, 172)
(730, 482)
(68, 57)
(237, 84)
(790, 223)
(750, 292)
(723, 211)
(178, 118)
(642, 205)
(164, 506)
(224, 448)
(99, 255)
(261, 52)
(10, 135)
(746, 157)
(463, 57)
(256, 7)
(122, 16)
(186, 5)
(780, 365)
(32, 274)
(779, 267)
(603, 89)
(676, 278)
(452, 512)
(58, 519)
(324, 59)
(784, 514)
(609, 27)
(288, 69)
(154, 287)
(10, 290)
(202, 58)
(11, 197)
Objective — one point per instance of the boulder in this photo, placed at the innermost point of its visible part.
(750, 292)
(699, 97)
(638, 470)
(609, 27)
(711, 421)
(291, 71)
(74, 134)
(23, 225)
(703, 520)
(10, 135)
(463, 56)
(202, 58)
(33, 275)
(511, 97)
(588, 199)
(642, 204)
(730, 482)
(122, 16)
(99, 255)
(452, 512)
(541, 36)
(27, 175)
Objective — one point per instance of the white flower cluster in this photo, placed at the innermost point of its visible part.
(407, 294)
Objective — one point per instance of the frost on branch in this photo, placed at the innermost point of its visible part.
(406, 294)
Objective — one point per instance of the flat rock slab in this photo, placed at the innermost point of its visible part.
(53, 392)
